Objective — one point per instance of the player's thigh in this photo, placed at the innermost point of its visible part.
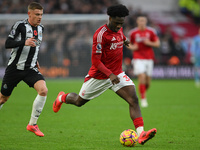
(138, 66)
(41, 88)
(10, 80)
(142, 78)
(124, 81)
(128, 93)
(125, 88)
(149, 68)
(33, 76)
(93, 88)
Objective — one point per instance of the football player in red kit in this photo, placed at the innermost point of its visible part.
(142, 39)
(106, 72)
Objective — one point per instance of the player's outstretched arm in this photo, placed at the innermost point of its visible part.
(132, 47)
(151, 43)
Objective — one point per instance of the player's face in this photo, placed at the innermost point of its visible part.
(35, 17)
(115, 23)
(141, 21)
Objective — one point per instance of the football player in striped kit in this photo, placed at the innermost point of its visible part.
(24, 39)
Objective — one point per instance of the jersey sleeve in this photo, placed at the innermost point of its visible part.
(154, 36)
(131, 36)
(97, 54)
(10, 41)
(124, 38)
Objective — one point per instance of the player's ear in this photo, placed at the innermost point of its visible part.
(110, 19)
(29, 12)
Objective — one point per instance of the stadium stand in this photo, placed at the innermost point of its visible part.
(68, 45)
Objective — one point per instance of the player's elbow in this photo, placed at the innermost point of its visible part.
(157, 44)
(7, 44)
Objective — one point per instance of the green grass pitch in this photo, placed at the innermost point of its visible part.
(173, 109)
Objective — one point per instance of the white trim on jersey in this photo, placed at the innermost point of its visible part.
(12, 32)
(100, 34)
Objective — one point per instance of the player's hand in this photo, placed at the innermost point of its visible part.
(133, 47)
(147, 42)
(30, 42)
(114, 79)
(127, 42)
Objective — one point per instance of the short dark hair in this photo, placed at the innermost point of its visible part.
(35, 5)
(117, 11)
(142, 15)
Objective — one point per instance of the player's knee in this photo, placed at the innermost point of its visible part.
(147, 85)
(134, 100)
(43, 91)
(79, 104)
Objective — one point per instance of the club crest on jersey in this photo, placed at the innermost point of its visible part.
(83, 93)
(99, 47)
(40, 34)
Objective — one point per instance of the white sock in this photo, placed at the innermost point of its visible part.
(60, 98)
(139, 130)
(38, 105)
(1, 106)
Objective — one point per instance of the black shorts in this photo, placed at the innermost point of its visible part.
(13, 76)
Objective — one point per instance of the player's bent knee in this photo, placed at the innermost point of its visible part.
(134, 100)
(43, 91)
(81, 102)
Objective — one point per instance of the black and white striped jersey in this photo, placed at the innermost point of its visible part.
(23, 57)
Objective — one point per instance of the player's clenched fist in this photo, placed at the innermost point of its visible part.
(30, 42)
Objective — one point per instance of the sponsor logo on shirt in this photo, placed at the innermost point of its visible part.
(116, 45)
(38, 42)
(139, 38)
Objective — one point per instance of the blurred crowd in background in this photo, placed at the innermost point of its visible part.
(191, 8)
(58, 6)
(69, 45)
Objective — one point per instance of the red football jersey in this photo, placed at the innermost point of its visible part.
(107, 53)
(138, 36)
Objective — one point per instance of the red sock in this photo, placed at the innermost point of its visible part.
(142, 90)
(63, 98)
(138, 122)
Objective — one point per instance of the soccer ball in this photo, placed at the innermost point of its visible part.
(128, 138)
